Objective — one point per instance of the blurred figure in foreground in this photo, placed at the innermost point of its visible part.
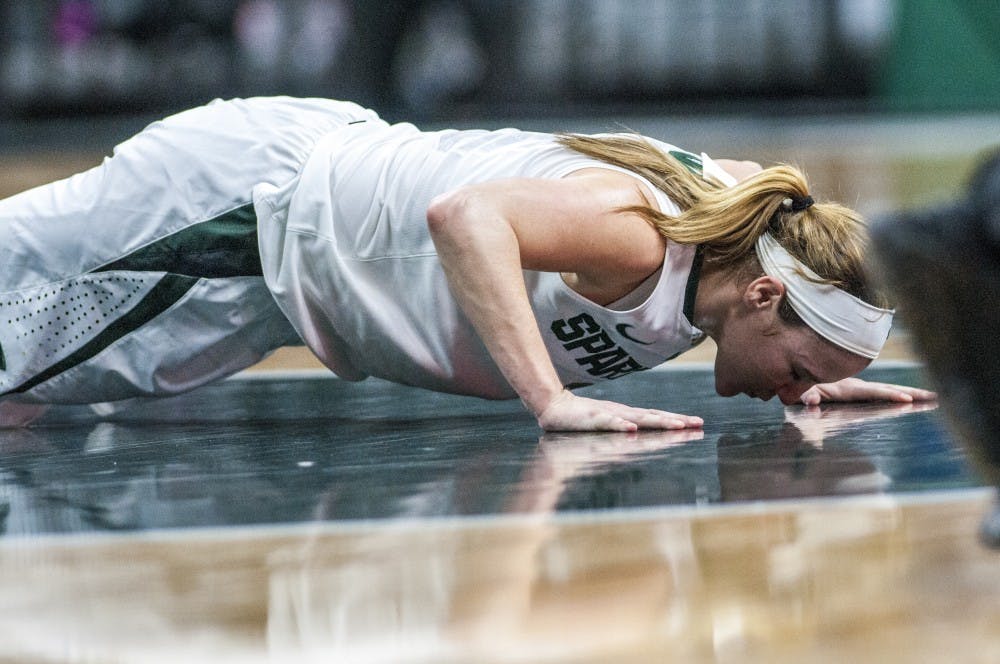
(944, 264)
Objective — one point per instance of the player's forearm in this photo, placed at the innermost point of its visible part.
(480, 255)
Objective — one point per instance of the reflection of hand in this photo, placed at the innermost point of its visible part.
(14, 415)
(856, 389)
(574, 452)
(569, 412)
(564, 456)
(817, 423)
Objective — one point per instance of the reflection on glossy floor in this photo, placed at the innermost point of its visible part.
(274, 519)
(297, 450)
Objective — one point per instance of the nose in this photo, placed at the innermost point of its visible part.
(790, 393)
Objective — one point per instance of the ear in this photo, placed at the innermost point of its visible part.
(763, 293)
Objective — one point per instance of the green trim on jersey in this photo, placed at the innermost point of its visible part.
(691, 289)
(690, 161)
(224, 246)
(690, 294)
(167, 292)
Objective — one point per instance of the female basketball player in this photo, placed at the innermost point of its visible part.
(498, 264)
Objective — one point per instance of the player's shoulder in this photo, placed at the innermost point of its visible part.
(622, 188)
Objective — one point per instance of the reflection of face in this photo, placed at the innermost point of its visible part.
(765, 466)
(762, 356)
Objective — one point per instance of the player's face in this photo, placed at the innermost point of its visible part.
(777, 359)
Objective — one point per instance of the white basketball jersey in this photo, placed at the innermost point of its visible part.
(347, 254)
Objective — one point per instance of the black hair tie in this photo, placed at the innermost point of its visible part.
(797, 203)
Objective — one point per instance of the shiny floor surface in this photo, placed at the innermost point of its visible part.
(303, 519)
(291, 450)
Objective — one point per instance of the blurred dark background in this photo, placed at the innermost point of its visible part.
(444, 60)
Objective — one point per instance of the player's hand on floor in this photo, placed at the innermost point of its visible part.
(569, 412)
(856, 389)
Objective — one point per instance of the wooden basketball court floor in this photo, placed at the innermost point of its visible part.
(286, 516)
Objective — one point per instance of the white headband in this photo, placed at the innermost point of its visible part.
(835, 315)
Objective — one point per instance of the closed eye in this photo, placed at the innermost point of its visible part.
(800, 375)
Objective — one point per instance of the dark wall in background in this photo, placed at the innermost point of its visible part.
(446, 59)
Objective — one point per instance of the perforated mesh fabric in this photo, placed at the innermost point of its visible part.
(48, 323)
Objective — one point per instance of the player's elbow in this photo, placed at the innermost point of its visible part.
(446, 211)
(460, 211)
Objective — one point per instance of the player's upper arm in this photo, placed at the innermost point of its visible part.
(571, 224)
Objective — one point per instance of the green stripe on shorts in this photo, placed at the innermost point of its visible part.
(225, 246)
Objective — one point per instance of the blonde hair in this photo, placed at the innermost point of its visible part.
(829, 238)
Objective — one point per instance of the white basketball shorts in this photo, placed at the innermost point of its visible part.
(141, 276)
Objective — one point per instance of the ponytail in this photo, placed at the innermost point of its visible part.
(726, 222)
